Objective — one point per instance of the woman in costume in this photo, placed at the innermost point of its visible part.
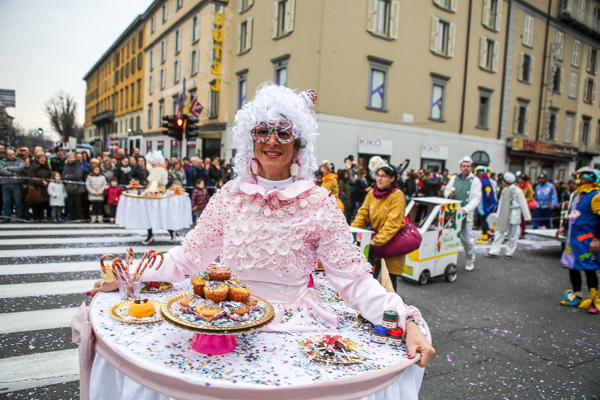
(384, 209)
(583, 241)
(271, 223)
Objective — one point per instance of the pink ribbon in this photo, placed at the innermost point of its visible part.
(83, 333)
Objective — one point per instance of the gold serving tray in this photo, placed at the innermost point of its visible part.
(126, 303)
(208, 330)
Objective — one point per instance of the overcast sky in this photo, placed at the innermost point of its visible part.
(49, 45)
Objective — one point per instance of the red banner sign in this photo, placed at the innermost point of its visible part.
(533, 146)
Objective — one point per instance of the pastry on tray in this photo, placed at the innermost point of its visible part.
(218, 272)
(141, 309)
(199, 281)
(239, 292)
(209, 311)
(216, 291)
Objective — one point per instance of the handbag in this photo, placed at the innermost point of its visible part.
(406, 240)
(34, 195)
(72, 188)
(532, 205)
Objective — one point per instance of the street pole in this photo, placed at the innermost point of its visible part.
(183, 133)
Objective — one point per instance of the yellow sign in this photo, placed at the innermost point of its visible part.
(218, 36)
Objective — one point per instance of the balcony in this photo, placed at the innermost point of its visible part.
(103, 118)
(582, 15)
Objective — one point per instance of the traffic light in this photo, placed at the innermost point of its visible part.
(191, 129)
(174, 126)
(40, 131)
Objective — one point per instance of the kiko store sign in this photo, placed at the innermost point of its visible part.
(375, 146)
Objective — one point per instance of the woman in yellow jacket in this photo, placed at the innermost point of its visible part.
(384, 209)
(330, 182)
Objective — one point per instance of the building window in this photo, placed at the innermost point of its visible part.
(488, 54)
(165, 12)
(245, 5)
(139, 65)
(245, 36)
(492, 14)
(195, 29)
(592, 64)
(152, 24)
(140, 36)
(569, 123)
(576, 53)
(132, 94)
(283, 18)
(528, 31)
(526, 67)
(378, 83)
(161, 79)
(242, 87)
(137, 123)
(553, 122)
(521, 118)
(121, 99)
(485, 97)
(448, 5)
(194, 63)
(126, 96)
(177, 41)
(122, 73)
(573, 84)
(127, 70)
(481, 157)
(560, 46)
(280, 65)
(589, 91)
(163, 51)
(175, 111)
(438, 97)
(213, 102)
(133, 66)
(176, 71)
(557, 79)
(585, 131)
(139, 90)
(161, 111)
(151, 60)
(151, 84)
(443, 37)
(133, 45)
(179, 4)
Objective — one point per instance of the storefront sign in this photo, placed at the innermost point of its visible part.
(533, 146)
(218, 36)
(149, 145)
(191, 143)
(161, 144)
(375, 146)
(174, 143)
(434, 152)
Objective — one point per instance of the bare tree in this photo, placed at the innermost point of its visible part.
(61, 110)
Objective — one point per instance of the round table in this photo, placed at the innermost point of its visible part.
(168, 211)
(155, 361)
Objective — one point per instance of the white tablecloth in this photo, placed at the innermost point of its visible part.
(261, 359)
(171, 212)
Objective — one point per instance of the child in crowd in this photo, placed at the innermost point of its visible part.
(113, 192)
(57, 194)
(199, 199)
(95, 185)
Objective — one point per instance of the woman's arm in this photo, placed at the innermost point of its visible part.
(362, 215)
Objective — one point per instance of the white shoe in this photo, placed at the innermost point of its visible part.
(470, 266)
(149, 240)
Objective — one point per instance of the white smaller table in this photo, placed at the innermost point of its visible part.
(168, 211)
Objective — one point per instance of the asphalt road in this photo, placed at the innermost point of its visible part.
(500, 332)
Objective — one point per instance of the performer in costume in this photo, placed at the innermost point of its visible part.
(271, 223)
(512, 206)
(583, 241)
(466, 187)
(488, 202)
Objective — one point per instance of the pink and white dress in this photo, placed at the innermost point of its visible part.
(271, 233)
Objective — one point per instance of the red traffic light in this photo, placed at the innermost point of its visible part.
(179, 122)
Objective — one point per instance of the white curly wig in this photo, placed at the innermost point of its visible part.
(273, 103)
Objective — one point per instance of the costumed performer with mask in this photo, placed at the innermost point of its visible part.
(271, 223)
(488, 202)
(583, 241)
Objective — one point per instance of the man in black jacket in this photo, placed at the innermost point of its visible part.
(57, 163)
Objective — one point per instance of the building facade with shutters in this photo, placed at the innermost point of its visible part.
(114, 95)
(187, 40)
(399, 79)
(552, 116)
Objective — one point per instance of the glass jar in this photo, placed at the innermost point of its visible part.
(390, 319)
(130, 290)
(379, 334)
(395, 338)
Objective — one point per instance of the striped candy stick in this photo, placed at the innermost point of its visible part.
(107, 273)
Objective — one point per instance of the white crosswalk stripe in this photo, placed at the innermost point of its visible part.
(57, 286)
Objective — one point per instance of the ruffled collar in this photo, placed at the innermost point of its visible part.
(383, 194)
(284, 190)
(588, 187)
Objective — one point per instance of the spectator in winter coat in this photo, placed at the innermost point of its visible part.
(547, 200)
(344, 189)
(177, 174)
(10, 168)
(57, 195)
(199, 199)
(95, 185)
(76, 190)
(124, 173)
(113, 193)
(141, 172)
(362, 188)
(214, 171)
(108, 169)
(57, 162)
(40, 173)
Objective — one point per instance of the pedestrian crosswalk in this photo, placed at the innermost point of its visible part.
(45, 270)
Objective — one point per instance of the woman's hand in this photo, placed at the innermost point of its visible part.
(107, 287)
(595, 245)
(416, 342)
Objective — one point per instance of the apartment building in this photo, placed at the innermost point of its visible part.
(187, 40)
(113, 111)
(400, 79)
(551, 118)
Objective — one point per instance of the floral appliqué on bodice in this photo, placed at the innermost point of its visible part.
(258, 231)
